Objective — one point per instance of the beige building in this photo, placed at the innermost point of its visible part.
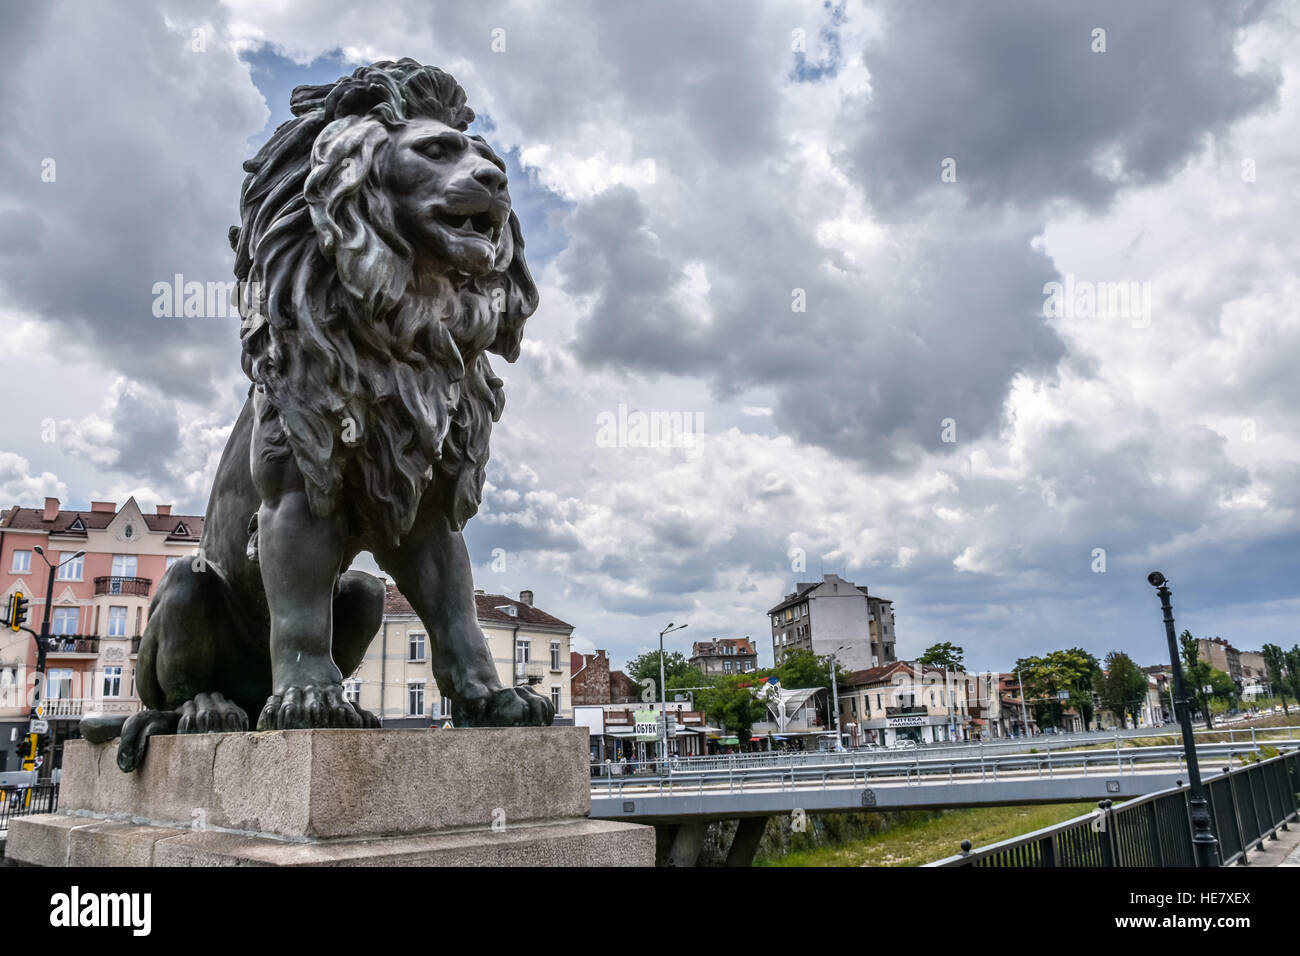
(395, 681)
(882, 705)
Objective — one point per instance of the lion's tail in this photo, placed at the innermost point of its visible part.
(102, 728)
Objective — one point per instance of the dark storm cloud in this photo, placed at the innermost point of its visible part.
(146, 137)
(1013, 92)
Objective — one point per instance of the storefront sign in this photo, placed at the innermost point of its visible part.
(916, 720)
(647, 724)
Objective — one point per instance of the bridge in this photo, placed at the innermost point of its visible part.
(683, 800)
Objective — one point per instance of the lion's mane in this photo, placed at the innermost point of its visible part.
(333, 332)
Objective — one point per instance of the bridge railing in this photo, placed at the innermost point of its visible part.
(1248, 806)
(1248, 737)
(917, 768)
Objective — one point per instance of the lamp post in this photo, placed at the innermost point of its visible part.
(663, 694)
(1203, 840)
(43, 641)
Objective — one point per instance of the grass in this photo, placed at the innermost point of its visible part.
(924, 841)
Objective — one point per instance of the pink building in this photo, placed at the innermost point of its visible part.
(99, 609)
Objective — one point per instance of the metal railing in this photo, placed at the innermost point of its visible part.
(73, 644)
(19, 801)
(912, 768)
(1248, 806)
(115, 584)
(58, 707)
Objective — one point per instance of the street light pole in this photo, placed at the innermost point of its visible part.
(663, 695)
(1203, 840)
(43, 641)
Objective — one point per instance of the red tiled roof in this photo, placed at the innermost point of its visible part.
(33, 519)
(875, 674)
(486, 604)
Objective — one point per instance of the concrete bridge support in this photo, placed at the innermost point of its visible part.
(745, 843)
(688, 840)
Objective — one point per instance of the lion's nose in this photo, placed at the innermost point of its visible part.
(490, 178)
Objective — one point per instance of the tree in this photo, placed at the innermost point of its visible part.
(1275, 661)
(733, 706)
(646, 667)
(945, 654)
(803, 668)
(1293, 670)
(1072, 669)
(1198, 673)
(1124, 687)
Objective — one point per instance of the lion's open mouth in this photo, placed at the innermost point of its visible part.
(482, 225)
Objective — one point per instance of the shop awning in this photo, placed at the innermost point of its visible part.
(727, 741)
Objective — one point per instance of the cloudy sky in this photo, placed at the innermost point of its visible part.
(826, 232)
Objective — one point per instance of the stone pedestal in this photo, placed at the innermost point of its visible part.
(476, 797)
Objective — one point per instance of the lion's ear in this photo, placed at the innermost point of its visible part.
(520, 294)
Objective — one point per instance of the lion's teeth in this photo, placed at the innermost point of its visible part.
(467, 225)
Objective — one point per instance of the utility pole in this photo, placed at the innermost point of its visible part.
(1203, 839)
(835, 696)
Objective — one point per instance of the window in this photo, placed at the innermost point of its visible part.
(415, 698)
(789, 615)
(112, 682)
(415, 645)
(63, 620)
(726, 667)
(117, 622)
(555, 655)
(139, 620)
(352, 691)
(446, 708)
(877, 702)
(555, 697)
(853, 706)
(70, 568)
(22, 561)
(58, 683)
(523, 650)
(124, 565)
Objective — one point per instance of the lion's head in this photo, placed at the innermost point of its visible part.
(379, 260)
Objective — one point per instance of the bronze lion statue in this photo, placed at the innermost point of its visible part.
(379, 262)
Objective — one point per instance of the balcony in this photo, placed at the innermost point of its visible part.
(73, 708)
(73, 646)
(530, 672)
(906, 711)
(137, 587)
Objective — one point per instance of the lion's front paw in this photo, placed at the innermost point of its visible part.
(510, 707)
(313, 705)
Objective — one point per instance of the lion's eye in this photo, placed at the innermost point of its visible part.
(433, 150)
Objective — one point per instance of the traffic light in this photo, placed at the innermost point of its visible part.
(17, 610)
(27, 751)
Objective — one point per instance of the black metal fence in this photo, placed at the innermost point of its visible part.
(1248, 805)
(19, 801)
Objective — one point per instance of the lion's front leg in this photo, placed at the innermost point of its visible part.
(432, 570)
(300, 555)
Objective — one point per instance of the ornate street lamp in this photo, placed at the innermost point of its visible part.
(1203, 839)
